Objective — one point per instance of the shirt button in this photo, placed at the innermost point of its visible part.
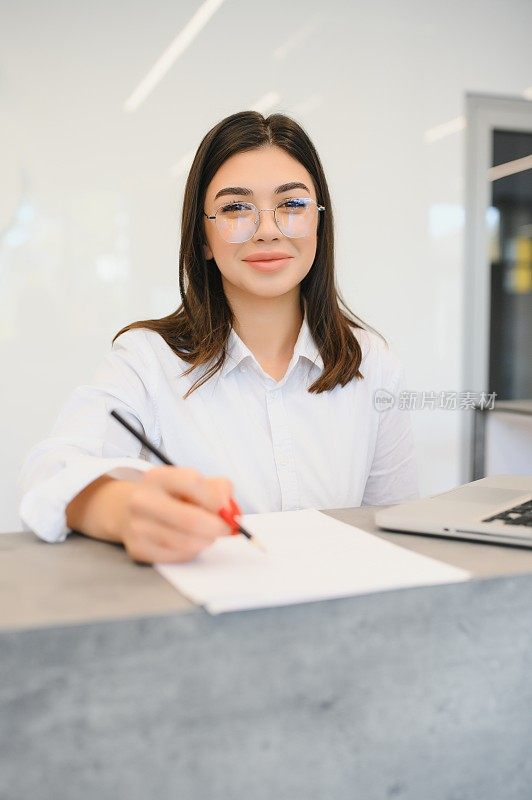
(274, 395)
(283, 462)
(242, 369)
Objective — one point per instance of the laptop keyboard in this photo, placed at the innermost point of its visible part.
(518, 515)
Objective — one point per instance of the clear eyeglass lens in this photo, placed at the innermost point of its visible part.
(236, 221)
(295, 217)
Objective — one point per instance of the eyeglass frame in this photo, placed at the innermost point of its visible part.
(259, 211)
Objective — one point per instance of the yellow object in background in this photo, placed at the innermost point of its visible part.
(521, 274)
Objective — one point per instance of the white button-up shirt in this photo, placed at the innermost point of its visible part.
(282, 447)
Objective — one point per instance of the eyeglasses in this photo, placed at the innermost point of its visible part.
(238, 222)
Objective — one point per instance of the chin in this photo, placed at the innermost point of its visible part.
(270, 289)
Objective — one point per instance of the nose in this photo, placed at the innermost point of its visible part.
(267, 230)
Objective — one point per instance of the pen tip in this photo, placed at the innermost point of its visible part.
(259, 544)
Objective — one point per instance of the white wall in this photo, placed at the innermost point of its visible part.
(89, 203)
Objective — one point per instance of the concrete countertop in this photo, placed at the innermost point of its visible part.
(83, 580)
(113, 686)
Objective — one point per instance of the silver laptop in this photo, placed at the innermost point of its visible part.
(494, 509)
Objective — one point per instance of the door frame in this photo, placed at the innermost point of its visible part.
(484, 113)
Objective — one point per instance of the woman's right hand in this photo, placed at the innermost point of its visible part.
(171, 514)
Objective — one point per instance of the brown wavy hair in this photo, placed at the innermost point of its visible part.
(198, 330)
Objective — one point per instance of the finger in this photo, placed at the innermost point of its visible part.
(218, 494)
(178, 515)
(189, 484)
(192, 522)
(146, 531)
(185, 544)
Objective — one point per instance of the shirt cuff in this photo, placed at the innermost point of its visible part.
(43, 508)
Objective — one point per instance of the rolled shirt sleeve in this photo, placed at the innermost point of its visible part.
(86, 442)
(393, 476)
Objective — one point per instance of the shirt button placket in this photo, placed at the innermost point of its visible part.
(282, 449)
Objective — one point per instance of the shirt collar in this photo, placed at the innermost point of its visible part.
(305, 347)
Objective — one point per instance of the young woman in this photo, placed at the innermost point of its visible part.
(262, 375)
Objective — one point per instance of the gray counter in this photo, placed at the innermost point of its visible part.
(112, 685)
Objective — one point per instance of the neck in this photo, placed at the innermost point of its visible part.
(268, 326)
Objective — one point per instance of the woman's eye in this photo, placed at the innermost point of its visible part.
(295, 203)
(232, 207)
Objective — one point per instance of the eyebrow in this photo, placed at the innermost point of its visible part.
(284, 187)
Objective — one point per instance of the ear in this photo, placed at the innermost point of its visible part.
(207, 252)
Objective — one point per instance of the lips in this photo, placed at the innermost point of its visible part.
(268, 255)
(268, 261)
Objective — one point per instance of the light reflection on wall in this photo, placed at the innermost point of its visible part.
(493, 225)
(445, 219)
(19, 231)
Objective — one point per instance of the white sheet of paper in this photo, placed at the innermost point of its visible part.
(310, 556)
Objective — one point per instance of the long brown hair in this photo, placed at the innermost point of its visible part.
(198, 330)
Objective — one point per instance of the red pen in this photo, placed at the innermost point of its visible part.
(227, 514)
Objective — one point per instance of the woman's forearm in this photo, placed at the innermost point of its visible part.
(99, 510)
